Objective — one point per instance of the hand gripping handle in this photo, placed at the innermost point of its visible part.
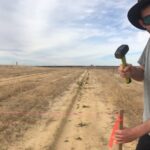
(128, 80)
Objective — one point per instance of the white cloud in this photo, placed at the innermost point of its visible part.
(65, 31)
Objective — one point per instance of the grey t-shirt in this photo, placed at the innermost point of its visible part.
(145, 61)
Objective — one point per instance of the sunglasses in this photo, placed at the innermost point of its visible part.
(146, 20)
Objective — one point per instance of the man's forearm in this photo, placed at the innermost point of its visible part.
(137, 73)
(142, 129)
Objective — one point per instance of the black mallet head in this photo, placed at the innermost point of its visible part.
(121, 51)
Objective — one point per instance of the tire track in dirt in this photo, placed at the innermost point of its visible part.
(23, 85)
(46, 129)
(16, 71)
(87, 129)
(67, 113)
(29, 107)
(90, 129)
(25, 77)
(21, 77)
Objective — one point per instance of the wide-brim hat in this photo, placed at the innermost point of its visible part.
(134, 13)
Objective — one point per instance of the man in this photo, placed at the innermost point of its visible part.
(139, 16)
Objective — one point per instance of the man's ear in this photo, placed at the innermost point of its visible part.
(141, 23)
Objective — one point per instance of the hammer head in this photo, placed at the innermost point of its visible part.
(121, 51)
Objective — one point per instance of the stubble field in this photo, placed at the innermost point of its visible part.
(64, 108)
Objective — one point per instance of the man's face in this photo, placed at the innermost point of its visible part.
(145, 12)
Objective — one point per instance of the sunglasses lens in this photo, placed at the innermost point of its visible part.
(146, 20)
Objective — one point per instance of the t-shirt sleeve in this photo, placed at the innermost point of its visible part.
(142, 58)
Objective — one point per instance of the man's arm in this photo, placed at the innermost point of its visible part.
(130, 134)
(136, 73)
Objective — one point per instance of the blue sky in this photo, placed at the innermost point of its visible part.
(67, 32)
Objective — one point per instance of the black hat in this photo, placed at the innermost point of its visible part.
(134, 13)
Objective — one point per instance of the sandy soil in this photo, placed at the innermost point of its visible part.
(67, 109)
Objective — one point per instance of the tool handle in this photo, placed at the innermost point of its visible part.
(128, 80)
(121, 113)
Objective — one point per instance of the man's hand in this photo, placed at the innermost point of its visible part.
(126, 135)
(129, 71)
(125, 72)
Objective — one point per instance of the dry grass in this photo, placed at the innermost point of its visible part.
(23, 103)
(128, 97)
(28, 92)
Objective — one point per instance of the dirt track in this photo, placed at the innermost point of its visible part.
(67, 109)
